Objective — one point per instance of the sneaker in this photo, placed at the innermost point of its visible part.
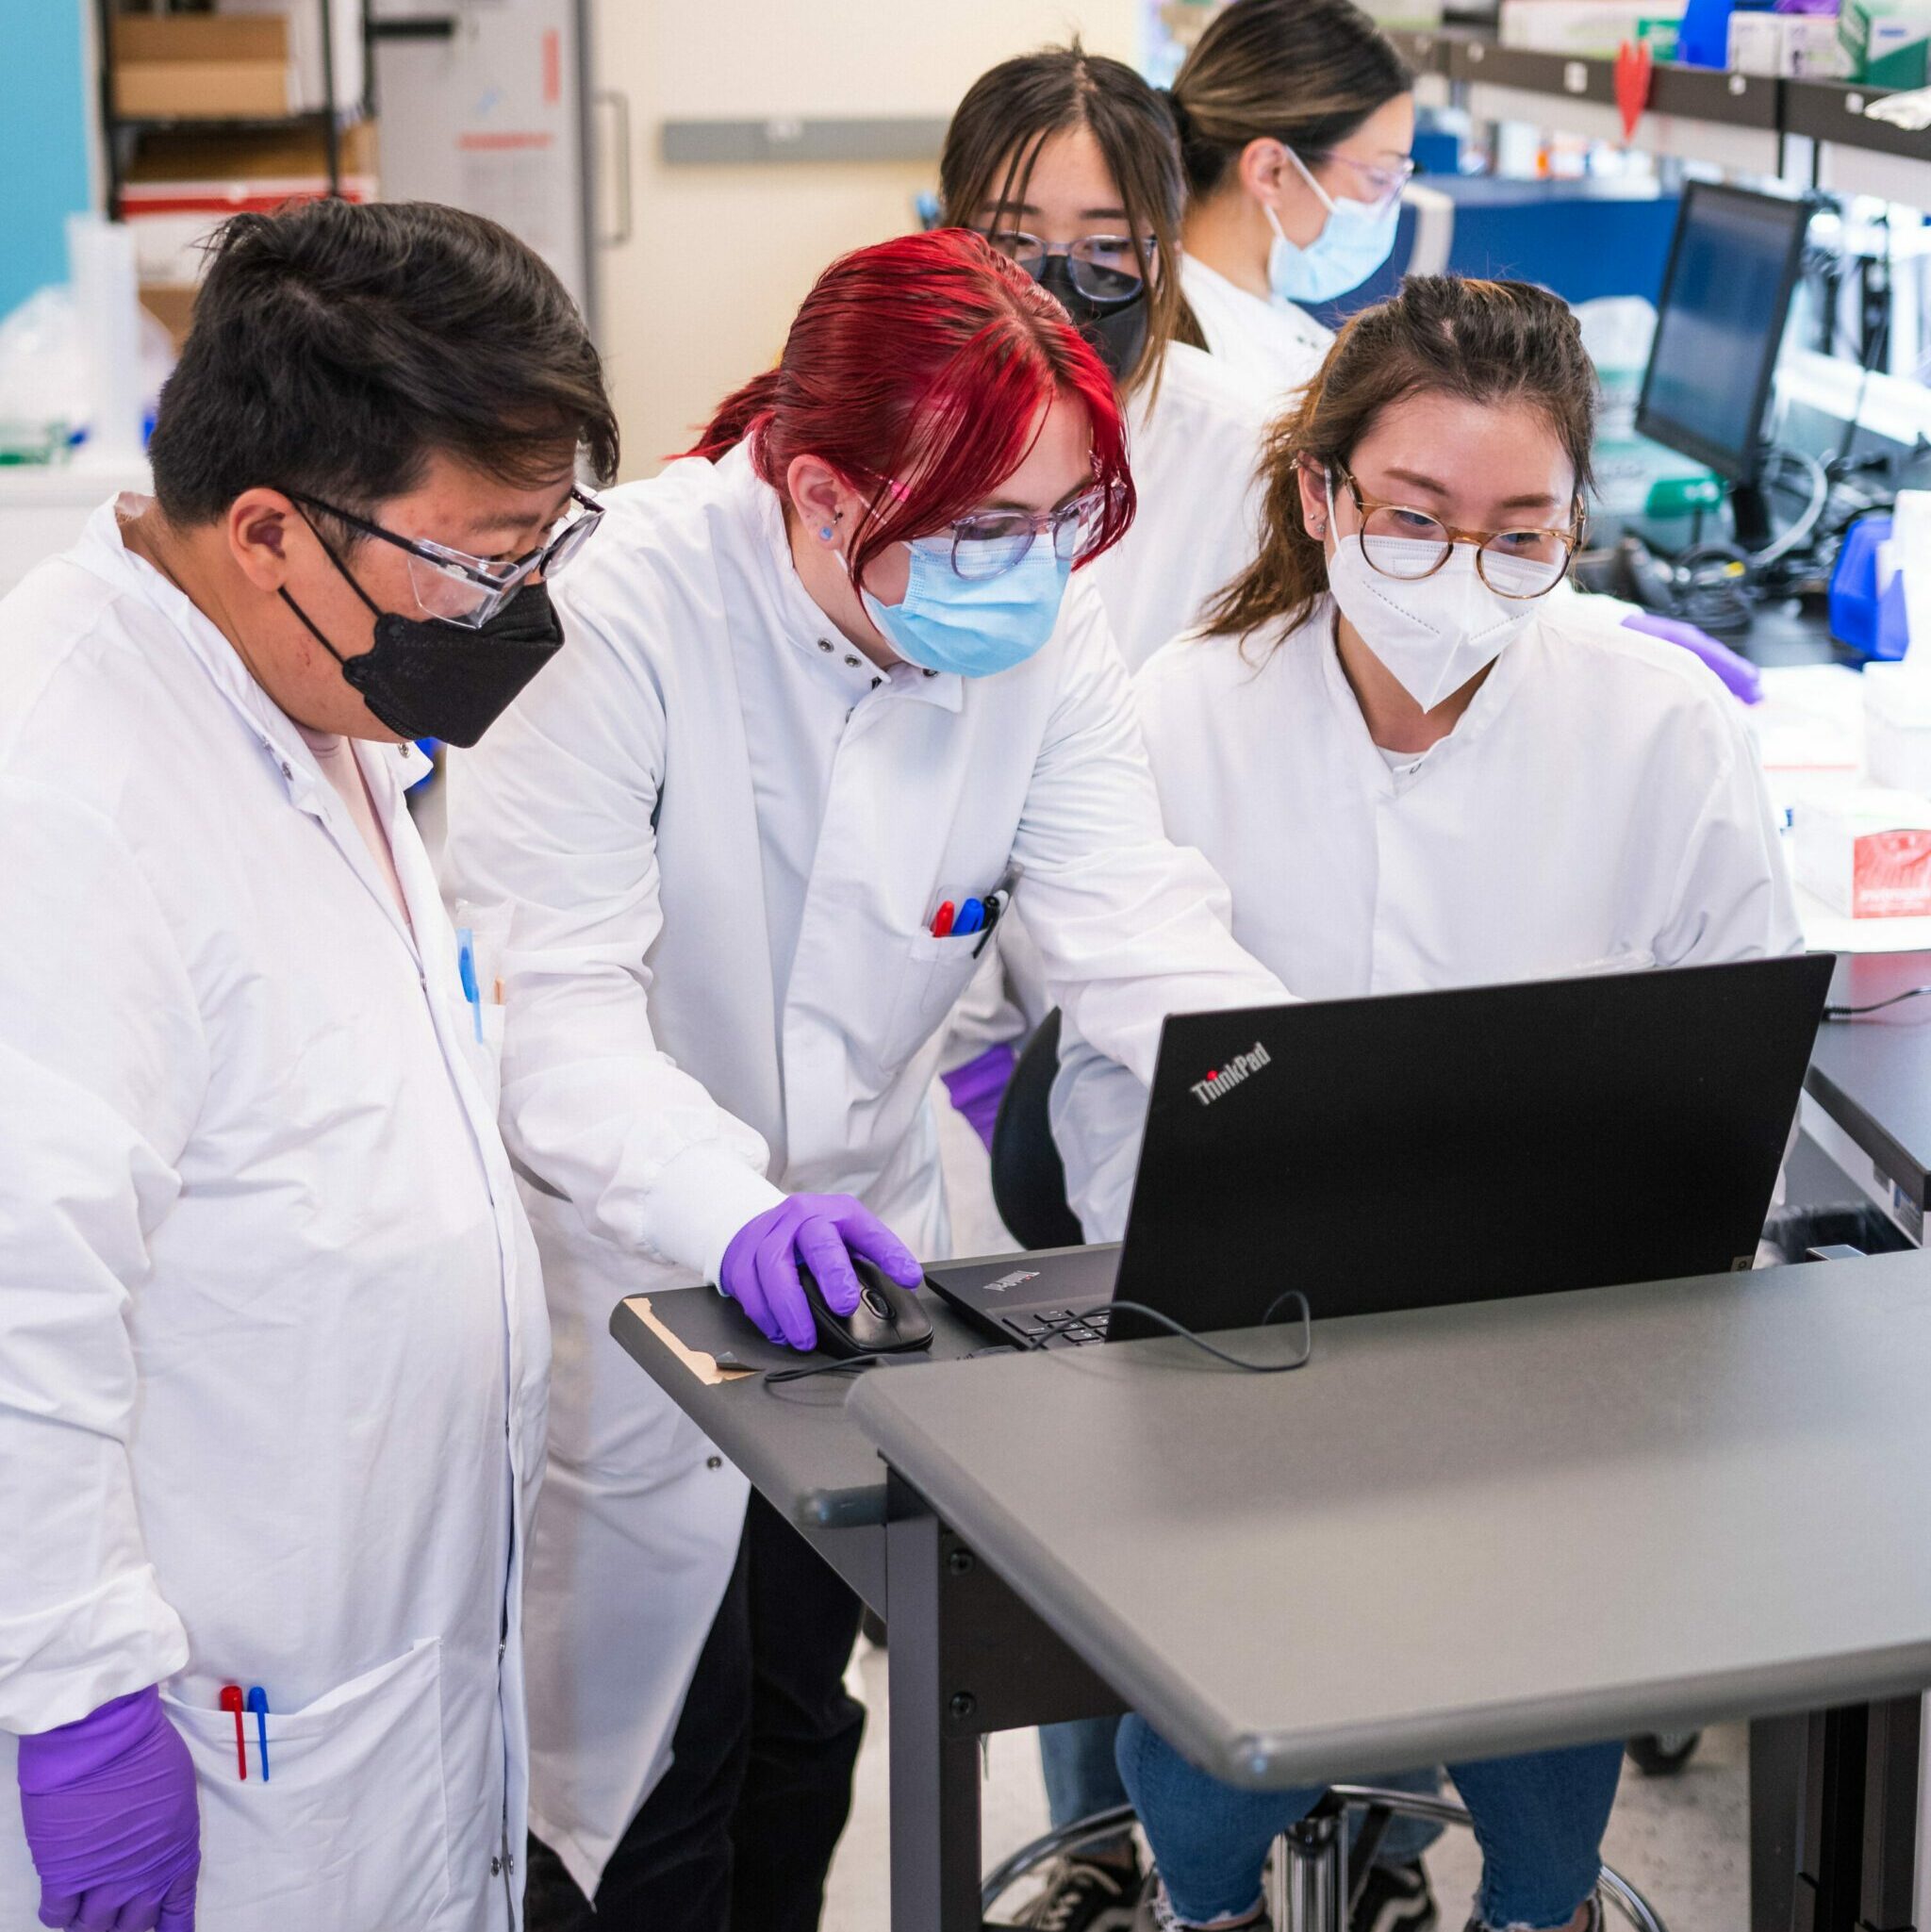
(1594, 1922)
(1085, 1895)
(1395, 1898)
(1157, 1914)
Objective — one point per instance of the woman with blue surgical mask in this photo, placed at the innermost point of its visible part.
(841, 696)
(1295, 120)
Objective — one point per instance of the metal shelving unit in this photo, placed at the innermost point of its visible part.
(1695, 113)
(119, 132)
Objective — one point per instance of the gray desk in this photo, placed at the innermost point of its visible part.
(1643, 1508)
(1871, 1081)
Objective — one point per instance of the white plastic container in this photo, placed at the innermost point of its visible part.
(1897, 727)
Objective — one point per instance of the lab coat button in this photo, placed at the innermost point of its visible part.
(824, 644)
(288, 769)
(931, 673)
(496, 1868)
(851, 663)
(714, 1461)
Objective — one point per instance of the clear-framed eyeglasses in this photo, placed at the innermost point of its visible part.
(459, 588)
(1104, 268)
(1408, 544)
(1381, 187)
(989, 544)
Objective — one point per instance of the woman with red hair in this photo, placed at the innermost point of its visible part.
(837, 694)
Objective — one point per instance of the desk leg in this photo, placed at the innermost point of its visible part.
(1777, 1756)
(935, 1751)
(1889, 1895)
(1857, 1868)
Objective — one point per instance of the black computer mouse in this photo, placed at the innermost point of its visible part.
(887, 1320)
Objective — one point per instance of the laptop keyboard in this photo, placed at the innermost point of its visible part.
(1058, 1328)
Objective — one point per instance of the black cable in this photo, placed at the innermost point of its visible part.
(1139, 1307)
(1877, 1005)
(1876, 345)
(843, 1363)
(1239, 1361)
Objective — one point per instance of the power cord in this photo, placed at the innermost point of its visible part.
(1241, 1363)
(1877, 1005)
(1246, 1366)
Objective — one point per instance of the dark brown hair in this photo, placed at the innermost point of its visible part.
(1488, 343)
(1008, 115)
(1305, 72)
(336, 348)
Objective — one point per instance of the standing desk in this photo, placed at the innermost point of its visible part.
(1647, 1508)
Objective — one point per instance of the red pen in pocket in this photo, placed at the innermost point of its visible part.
(941, 921)
(231, 1700)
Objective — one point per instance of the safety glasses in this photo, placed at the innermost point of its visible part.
(1381, 187)
(469, 591)
(1104, 268)
(989, 544)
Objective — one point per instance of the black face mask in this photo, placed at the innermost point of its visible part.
(1117, 330)
(428, 678)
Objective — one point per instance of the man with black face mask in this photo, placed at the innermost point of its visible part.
(274, 1349)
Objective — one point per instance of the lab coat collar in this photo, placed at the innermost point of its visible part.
(1488, 704)
(806, 628)
(104, 552)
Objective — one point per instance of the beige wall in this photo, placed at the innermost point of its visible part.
(721, 256)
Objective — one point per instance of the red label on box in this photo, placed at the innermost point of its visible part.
(1890, 875)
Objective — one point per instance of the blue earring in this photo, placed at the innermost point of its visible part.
(825, 535)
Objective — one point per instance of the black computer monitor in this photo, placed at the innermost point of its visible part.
(1726, 295)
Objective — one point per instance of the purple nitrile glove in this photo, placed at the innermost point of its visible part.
(111, 1819)
(1738, 674)
(977, 1087)
(822, 1231)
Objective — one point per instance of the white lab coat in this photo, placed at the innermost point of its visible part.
(1269, 347)
(1599, 808)
(1195, 452)
(653, 1078)
(272, 1350)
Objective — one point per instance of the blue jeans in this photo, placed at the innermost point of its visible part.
(1539, 1819)
(1082, 1777)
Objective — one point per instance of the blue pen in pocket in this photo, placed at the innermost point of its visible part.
(257, 1702)
(465, 971)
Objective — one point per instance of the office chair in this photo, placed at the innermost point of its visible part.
(1314, 1881)
(1029, 1181)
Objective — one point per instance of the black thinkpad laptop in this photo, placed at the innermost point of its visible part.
(1411, 1150)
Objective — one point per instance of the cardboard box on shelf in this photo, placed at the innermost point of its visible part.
(172, 306)
(182, 185)
(1798, 46)
(317, 68)
(1886, 43)
(202, 67)
(1592, 28)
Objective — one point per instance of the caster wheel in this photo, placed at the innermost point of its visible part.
(1664, 1754)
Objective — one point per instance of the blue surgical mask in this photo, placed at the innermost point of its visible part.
(973, 626)
(1356, 241)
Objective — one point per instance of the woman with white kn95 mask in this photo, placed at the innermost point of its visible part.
(1295, 120)
(1417, 768)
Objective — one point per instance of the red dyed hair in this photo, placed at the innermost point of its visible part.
(920, 370)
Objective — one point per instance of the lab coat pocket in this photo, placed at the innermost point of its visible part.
(934, 978)
(351, 1827)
